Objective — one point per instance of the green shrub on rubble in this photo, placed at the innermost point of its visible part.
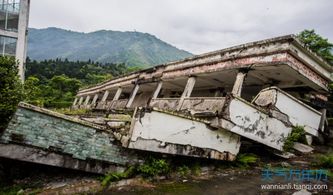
(297, 135)
(154, 167)
(246, 159)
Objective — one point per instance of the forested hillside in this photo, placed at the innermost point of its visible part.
(104, 46)
(54, 83)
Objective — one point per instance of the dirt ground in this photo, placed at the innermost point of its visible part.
(213, 178)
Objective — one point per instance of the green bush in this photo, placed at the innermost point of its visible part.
(183, 170)
(58, 104)
(69, 111)
(11, 91)
(324, 161)
(297, 135)
(246, 159)
(111, 177)
(153, 167)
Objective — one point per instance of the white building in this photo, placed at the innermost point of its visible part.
(14, 16)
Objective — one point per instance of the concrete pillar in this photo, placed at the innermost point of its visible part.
(94, 99)
(21, 45)
(157, 90)
(80, 100)
(323, 119)
(238, 85)
(118, 93)
(131, 99)
(75, 101)
(87, 100)
(187, 91)
(105, 96)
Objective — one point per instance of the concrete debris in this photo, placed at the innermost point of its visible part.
(302, 148)
(302, 192)
(285, 155)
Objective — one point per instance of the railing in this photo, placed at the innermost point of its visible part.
(113, 104)
(119, 104)
(192, 104)
(203, 104)
(165, 103)
(195, 104)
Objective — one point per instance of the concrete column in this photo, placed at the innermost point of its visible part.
(87, 100)
(105, 96)
(118, 93)
(238, 85)
(80, 100)
(21, 45)
(75, 101)
(94, 99)
(157, 90)
(187, 91)
(322, 119)
(131, 99)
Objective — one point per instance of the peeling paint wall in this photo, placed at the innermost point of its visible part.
(257, 125)
(297, 113)
(162, 132)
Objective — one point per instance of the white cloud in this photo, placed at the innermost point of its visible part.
(194, 25)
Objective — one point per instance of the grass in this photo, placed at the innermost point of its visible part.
(69, 111)
(183, 170)
(13, 190)
(297, 135)
(245, 160)
(112, 177)
(324, 161)
(152, 167)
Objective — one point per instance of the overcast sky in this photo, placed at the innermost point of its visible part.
(197, 26)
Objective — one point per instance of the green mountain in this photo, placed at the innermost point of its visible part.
(132, 48)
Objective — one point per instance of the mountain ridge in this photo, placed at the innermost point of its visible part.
(105, 46)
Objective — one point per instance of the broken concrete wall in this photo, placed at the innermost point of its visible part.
(51, 132)
(252, 123)
(164, 132)
(295, 112)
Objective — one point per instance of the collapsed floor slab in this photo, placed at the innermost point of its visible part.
(41, 136)
(164, 132)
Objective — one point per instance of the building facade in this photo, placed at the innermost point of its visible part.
(14, 15)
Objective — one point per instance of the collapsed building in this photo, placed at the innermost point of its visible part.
(201, 106)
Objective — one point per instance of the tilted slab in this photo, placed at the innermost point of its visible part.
(164, 132)
(296, 111)
(37, 128)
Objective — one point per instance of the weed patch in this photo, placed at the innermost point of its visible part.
(297, 135)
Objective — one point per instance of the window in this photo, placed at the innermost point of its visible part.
(7, 46)
(9, 14)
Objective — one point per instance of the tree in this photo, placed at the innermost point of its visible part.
(317, 44)
(11, 91)
(33, 91)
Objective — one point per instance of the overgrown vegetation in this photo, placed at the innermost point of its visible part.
(153, 167)
(15, 189)
(318, 44)
(54, 83)
(245, 160)
(297, 135)
(69, 111)
(324, 161)
(183, 170)
(10, 89)
(112, 177)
